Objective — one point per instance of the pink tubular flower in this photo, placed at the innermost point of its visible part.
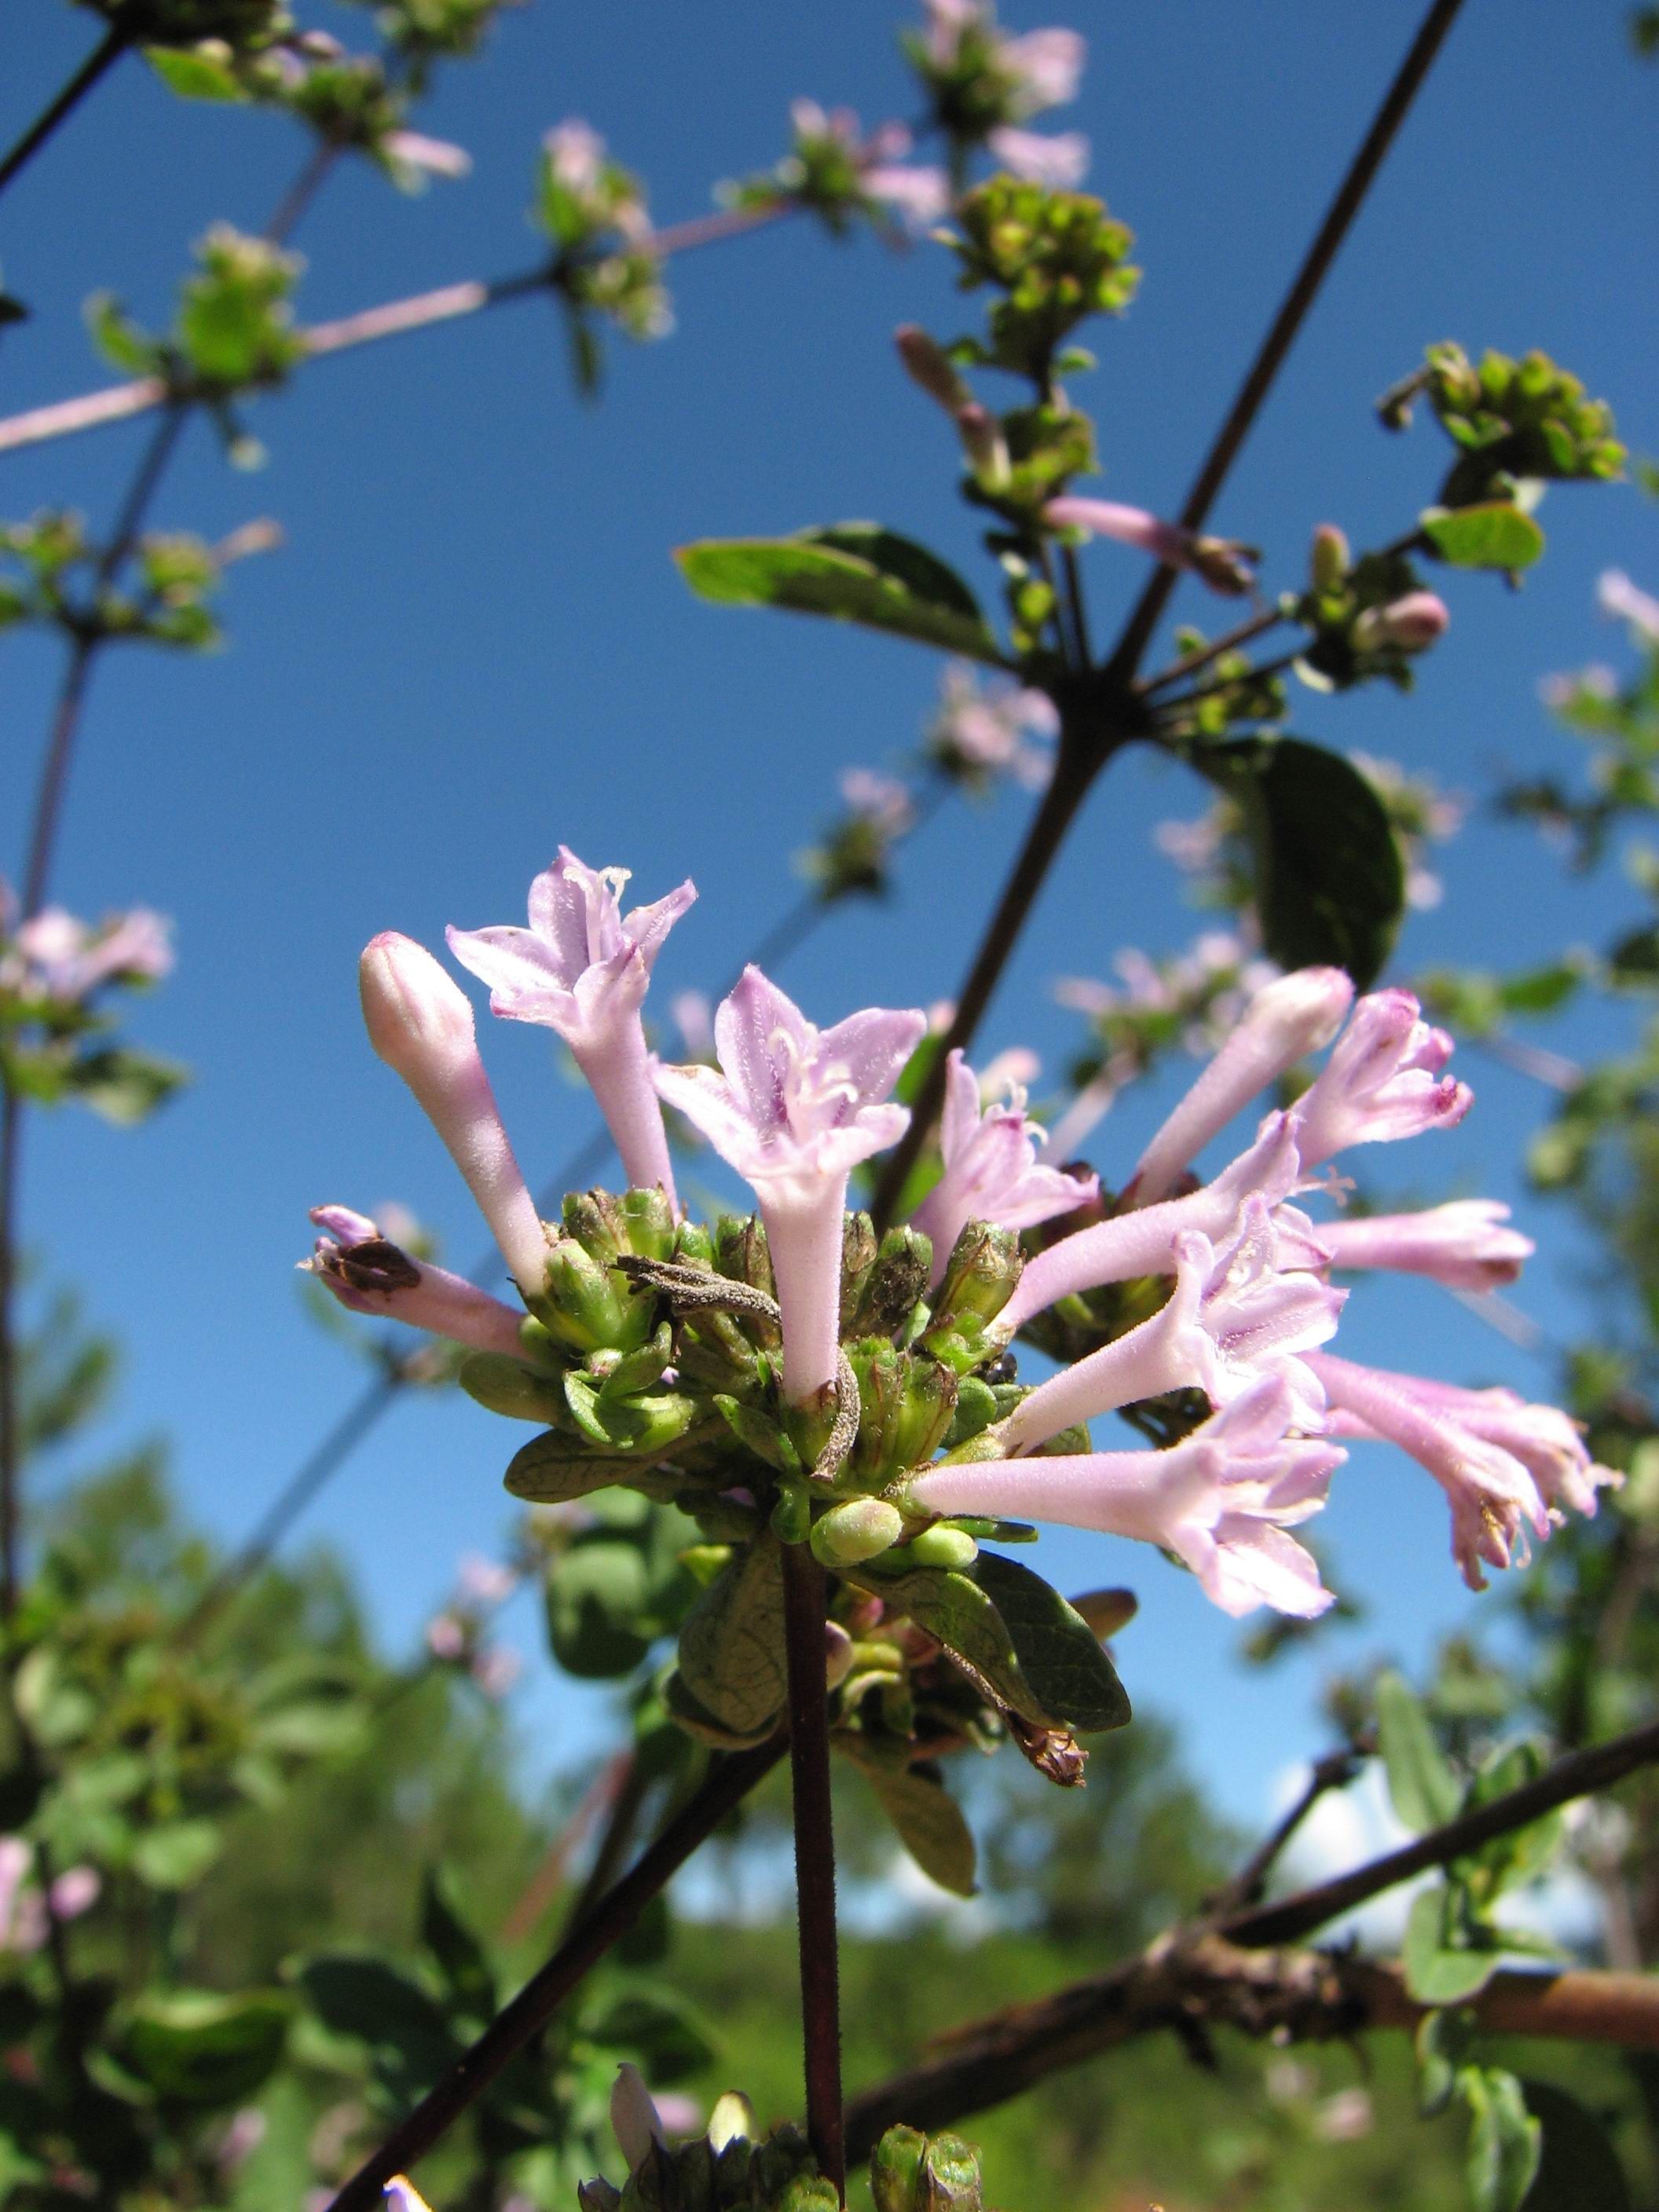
(421, 1025)
(1411, 623)
(920, 193)
(1463, 1244)
(1382, 1081)
(1060, 162)
(991, 1171)
(55, 955)
(446, 1635)
(1235, 1314)
(1549, 1443)
(1287, 1019)
(1145, 1242)
(793, 1109)
(1629, 602)
(412, 150)
(485, 1582)
(368, 1276)
(883, 801)
(576, 153)
(1221, 1499)
(582, 968)
(1048, 65)
(1223, 565)
(1494, 1494)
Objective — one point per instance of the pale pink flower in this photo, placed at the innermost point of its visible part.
(496, 1670)
(920, 193)
(1286, 1020)
(421, 1025)
(991, 1171)
(1493, 1495)
(432, 157)
(634, 2120)
(981, 730)
(75, 1891)
(446, 1635)
(1412, 623)
(1143, 1242)
(1061, 163)
(1382, 1082)
(1047, 64)
(1463, 1243)
(794, 1109)
(1222, 564)
(882, 800)
(1549, 1443)
(55, 955)
(1629, 602)
(485, 1582)
(576, 152)
(370, 1275)
(1235, 1313)
(582, 968)
(1221, 1500)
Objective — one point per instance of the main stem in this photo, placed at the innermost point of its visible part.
(804, 1614)
(1052, 818)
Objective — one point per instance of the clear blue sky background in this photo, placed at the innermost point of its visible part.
(474, 647)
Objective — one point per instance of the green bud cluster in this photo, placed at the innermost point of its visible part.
(913, 2173)
(733, 2169)
(726, 2170)
(55, 578)
(234, 332)
(1057, 256)
(1514, 420)
(1340, 595)
(604, 265)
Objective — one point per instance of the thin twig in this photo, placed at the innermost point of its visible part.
(1190, 1986)
(1304, 288)
(291, 208)
(108, 51)
(1229, 641)
(730, 1780)
(392, 319)
(1580, 1774)
(1334, 1772)
(815, 1859)
(1043, 839)
(617, 1840)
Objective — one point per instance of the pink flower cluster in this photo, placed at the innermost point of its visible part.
(56, 957)
(795, 1109)
(26, 1910)
(1252, 1305)
(1037, 70)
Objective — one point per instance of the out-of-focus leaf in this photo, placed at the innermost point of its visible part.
(1493, 535)
(193, 2047)
(1422, 1787)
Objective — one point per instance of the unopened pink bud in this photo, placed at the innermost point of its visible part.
(982, 442)
(420, 1023)
(1411, 623)
(930, 367)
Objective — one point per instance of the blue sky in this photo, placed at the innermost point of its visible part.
(474, 647)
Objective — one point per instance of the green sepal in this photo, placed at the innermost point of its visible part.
(758, 1433)
(508, 1387)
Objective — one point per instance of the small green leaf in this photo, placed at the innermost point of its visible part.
(1422, 1787)
(1059, 1653)
(732, 1657)
(663, 2036)
(1437, 1973)
(195, 2048)
(554, 1469)
(176, 1857)
(930, 1823)
(1330, 883)
(459, 1954)
(373, 2002)
(853, 572)
(1505, 2140)
(1493, 535)
(193, 75)
(597, 1608)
